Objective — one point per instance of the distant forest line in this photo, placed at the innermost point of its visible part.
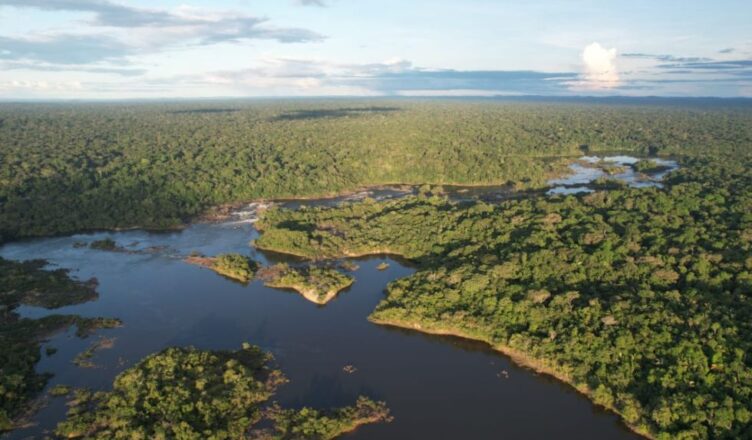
(68, 167)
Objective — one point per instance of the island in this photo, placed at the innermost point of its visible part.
(234, 266)
(649, 166)
(30, 283)
(317, 284)
(206, 394)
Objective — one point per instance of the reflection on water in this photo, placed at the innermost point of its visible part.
(590, 168)
(437, 387)
(584, 172)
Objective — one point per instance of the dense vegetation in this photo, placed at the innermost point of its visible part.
(641, 298)
(649, 166)
(20, 338)
(319, 284)
(70, 167)
(235, 266)
(106, 244)
(186, 393)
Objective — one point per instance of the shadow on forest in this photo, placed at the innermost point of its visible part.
(203, 110)
(331, 113)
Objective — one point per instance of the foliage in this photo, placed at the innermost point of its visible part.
(60, 390)
(106, 244)
(71, 167)
(235, 266)
(318, 284)
(309, 423)
(84, 359)
(178, 393)
(188, 393)
(639, 297)
(27, 283)
(649, 166)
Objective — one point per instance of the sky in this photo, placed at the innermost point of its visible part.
(119, 49)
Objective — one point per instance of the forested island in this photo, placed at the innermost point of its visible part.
(188, 393)
(235, 266)
(637, 297)
(317, 284)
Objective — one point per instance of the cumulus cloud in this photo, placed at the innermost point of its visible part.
(600, 67)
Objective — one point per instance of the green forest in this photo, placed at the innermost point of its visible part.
(186, 393)
(640, 298)
(71, 167)
(317, 284)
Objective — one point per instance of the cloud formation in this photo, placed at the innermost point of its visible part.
(699, 70)
(200, 25)
(63, 49)
(279, 76)
(665, 58)
(118, 34)
(43, 67)
(113, 47)
(600, 67)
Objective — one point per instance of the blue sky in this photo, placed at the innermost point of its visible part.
(109, 49)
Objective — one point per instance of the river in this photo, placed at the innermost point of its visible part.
(436, 387)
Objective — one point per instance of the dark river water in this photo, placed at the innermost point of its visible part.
(436, 387)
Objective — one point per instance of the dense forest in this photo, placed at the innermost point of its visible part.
(71, 167)
(186, 393)
(639, 298)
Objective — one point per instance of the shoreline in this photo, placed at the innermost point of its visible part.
(310, 294)
(208, 263)
(517, 357)
(221, 212)
(217, 213)
(214, 214)
(384, 252)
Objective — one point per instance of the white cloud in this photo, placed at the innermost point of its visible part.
(600, 68)
(40, 86)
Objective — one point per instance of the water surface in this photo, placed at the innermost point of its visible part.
(436, 387)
